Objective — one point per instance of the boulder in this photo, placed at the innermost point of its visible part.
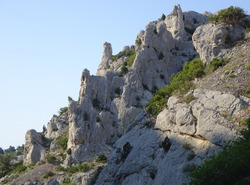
(34, 149)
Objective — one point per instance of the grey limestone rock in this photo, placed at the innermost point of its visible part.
(34, 149)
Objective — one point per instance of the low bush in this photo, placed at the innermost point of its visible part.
(117, 90)
(215, 64)
(246, 94)
(190, 156)
(101, 158)
(69, 151)
(166, 144)
(96, 103)
(95, 177)
(152, 172)
(124, 69)
(231, 15)
(97, 119)
(131, 58)
(63, 141)
(163, 17)
(121, 54)
(186, 146)
(85, 116)
(51, 159)
(48, 175)
(189, 98)
(160, 56)
(62, 110)
(138, 42)
(5, 165)
(230, 166)
(180, 83)
(83, 167)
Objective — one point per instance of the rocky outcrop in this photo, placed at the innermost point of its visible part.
(34, 149)
(206, 116)
(57, 126)
(109, 102)
(215, 41)
(194, 132)
(107, 54)
(109, 115)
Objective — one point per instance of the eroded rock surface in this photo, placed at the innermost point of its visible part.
(34, 149)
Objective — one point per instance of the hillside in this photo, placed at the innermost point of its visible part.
(153, 112)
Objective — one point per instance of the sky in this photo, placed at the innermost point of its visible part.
(45, 45)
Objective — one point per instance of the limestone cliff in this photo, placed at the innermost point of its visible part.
(110, 118)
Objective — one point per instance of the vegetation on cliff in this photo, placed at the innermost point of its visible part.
(231, 15)
(230, 166)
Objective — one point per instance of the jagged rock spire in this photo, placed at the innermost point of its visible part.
(175, 23)
(107, 54)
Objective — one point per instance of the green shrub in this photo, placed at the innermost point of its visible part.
(117, 90)
(101, 158)
(131, 58)
(62, 110)
(189, 98)
(63, 142)
(85, 116)
(31, 165)
(138, 98)
(97, 119)
(215, 64)
(66, 181)
(5, 165)
(163, 17)
(48, 175)
(160, 56)
(83, 167)
(248, 67)
(96, 103)
(188, 168)
(51, 159)
(230, 166)
(126, 150)
(60, 168)
(72, 169)
(152, 172)
(179, 83)
(69, 151)
(95, 177)
(231, 15)
(124, 70)
(138, 42)
(186, 146)
(70, 99)
(175, 32)
(190, 156)
(246, 94)
(166, 144)
(232, 75)
(121, 54)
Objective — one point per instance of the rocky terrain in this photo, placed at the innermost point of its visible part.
(110, 118)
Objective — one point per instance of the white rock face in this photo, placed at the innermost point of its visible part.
(57, 126)
(33, 148)
(203, 117)
(214, 41)
(209, 41)
(195, 131)
(148, 163)
(107, 54)
(117, 98)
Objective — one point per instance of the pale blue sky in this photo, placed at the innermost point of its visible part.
(45, 45)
